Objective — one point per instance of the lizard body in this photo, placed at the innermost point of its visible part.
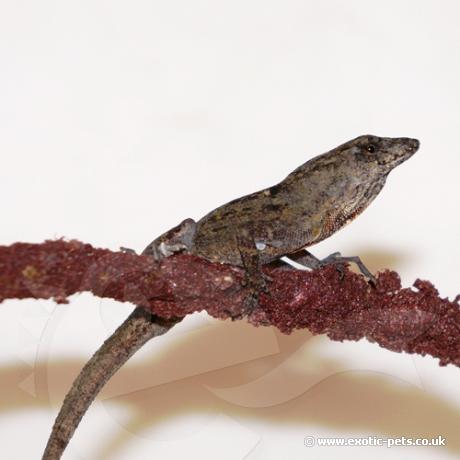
(310, 204)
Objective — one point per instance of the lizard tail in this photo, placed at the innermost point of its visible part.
(134, 332)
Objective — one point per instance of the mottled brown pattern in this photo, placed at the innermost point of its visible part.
(311, 203)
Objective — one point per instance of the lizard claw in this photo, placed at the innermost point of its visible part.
(127, 250)
(232, 316)
(251, 303)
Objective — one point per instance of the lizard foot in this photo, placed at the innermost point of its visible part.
(339, 261)
(251, 302)
(255, 285)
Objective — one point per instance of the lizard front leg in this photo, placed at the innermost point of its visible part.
(255, 281)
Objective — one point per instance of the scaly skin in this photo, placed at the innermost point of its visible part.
(310, 204)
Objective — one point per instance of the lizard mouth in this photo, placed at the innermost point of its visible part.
(412, 145)
(415, 144)
(400, 151)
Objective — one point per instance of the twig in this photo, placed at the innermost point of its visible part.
(342, 305)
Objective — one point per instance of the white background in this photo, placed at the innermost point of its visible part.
(119, 119)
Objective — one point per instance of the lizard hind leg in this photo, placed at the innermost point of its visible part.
(337, 259)
(308, 260)
(135, 331)
(179, 238)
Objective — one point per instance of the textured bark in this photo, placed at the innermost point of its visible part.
(343, 306)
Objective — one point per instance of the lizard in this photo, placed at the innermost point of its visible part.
(310, 204)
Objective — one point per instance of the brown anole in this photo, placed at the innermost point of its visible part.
(310, 204)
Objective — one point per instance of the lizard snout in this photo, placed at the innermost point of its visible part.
(413, 145)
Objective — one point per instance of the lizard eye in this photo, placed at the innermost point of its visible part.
(371, 148)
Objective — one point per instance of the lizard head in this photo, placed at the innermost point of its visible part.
(384, 153)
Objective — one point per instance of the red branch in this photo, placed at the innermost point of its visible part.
(414, 320)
